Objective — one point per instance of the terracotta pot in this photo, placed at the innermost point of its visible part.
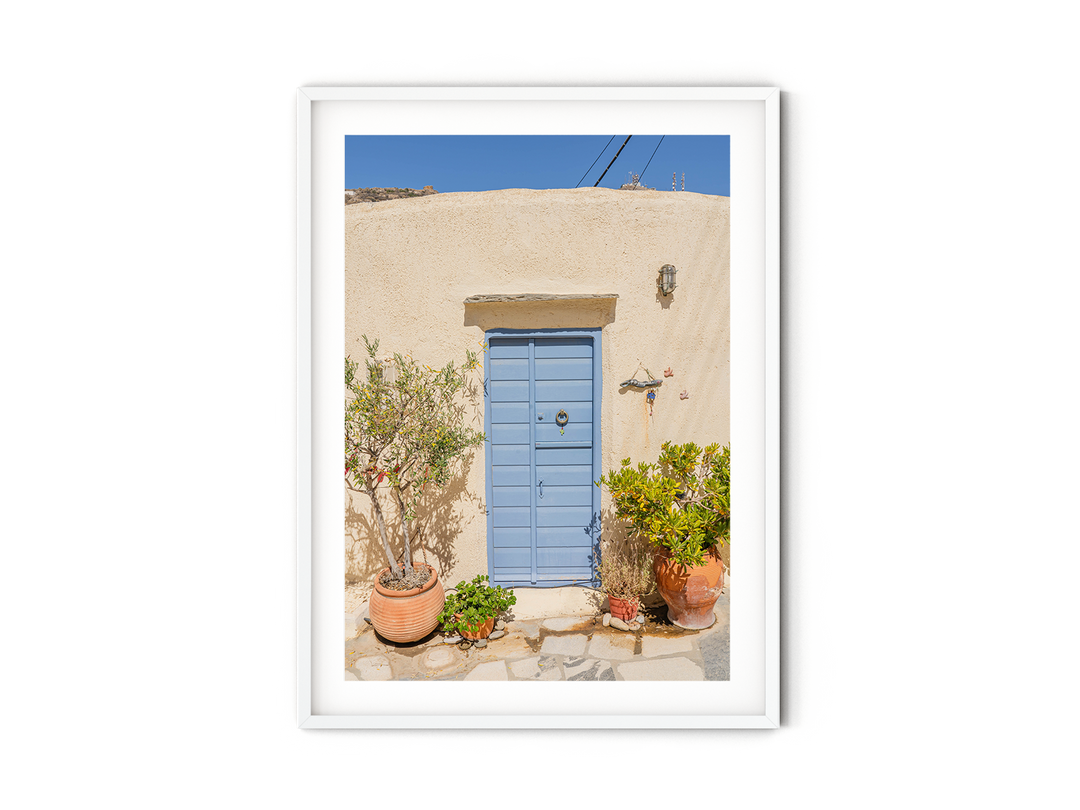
(623, 609)
(690, 592)
(483, 632)
(405, 616)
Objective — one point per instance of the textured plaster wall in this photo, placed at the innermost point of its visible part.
(409, 265)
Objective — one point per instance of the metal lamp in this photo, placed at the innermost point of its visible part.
(666, 280)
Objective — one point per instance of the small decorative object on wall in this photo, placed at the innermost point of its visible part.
(668, 372)
(633, 382)
(666, 280)
(651, 397)
(684, 395)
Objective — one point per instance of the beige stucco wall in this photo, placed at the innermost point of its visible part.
(409, 265)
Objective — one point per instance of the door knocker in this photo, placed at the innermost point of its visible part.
(561, 419)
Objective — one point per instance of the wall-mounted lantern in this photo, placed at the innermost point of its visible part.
(666, 280)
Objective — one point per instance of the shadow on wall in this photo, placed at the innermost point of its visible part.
(612, 530)
(363, 556)
(440, 520)
(624, 563)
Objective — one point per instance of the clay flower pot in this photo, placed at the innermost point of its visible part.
(690, 592)
(482, 632)
(623, 609)
(406, 616)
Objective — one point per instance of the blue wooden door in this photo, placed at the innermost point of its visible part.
(543, 419)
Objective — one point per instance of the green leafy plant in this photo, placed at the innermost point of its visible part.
(471, 604)
(681, 504)
(405, 432)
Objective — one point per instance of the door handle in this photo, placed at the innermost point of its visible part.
(541, 485)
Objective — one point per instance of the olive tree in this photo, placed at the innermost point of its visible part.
(405, 433)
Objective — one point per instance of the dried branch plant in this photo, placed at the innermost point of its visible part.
(625, 568)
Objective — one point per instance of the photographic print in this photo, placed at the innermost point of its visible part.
(556, 313)
(537, 410)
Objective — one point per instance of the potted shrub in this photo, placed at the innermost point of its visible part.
(626, 574)
(472, 607)
(681, 506)
(405, 436)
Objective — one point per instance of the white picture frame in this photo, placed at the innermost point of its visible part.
(751, 116)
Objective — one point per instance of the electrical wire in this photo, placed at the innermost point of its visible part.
(642, 175)
(594, 162)
(624, 143)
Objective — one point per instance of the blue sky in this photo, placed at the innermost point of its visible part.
(485, 162)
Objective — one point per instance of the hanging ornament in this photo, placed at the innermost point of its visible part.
(634, 382)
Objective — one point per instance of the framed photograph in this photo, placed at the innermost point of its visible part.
(745, 123)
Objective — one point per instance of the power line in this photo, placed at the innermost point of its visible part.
(594, 162)
(642, 175)
(624, 143)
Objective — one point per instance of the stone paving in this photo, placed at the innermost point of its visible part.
(567, 648)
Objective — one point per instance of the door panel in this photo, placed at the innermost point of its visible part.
(570, 517)
(507, 369)
(566, 474)
(509, 390)
(574, 390)
(563, 495)
(554, 557)
(510, 412)
(508, 347)
(564, 347)
(509, 434)
(562, 368)
(519, 476)
(508, 537)
(512, 496)
(562, 576)
(563, 455)
(573, 432)
(579, 412)
(511, 516)
(513, 557)
(509, 454)
(542, 498)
